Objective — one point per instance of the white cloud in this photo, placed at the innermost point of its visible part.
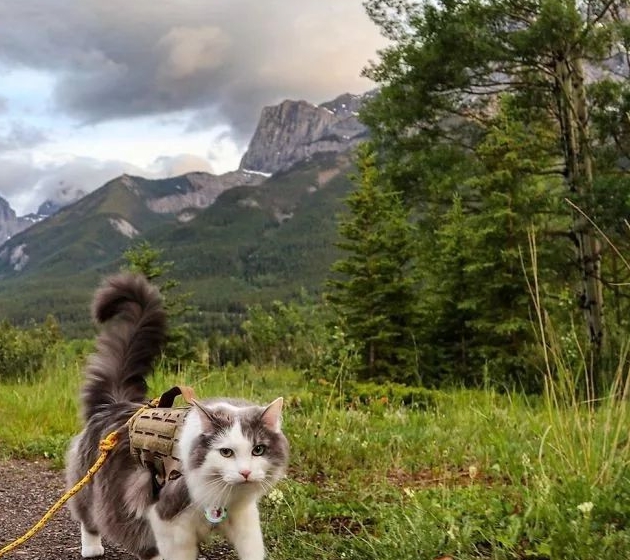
(26, 183)
(171, 166)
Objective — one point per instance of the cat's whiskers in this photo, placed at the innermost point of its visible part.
(214, 487)
(216, 492)
(267, 486)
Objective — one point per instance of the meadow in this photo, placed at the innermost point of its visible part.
(387, 472)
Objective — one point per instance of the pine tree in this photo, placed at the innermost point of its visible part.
(479, 290)
(144, 259)
(450, 61)
(373, 289)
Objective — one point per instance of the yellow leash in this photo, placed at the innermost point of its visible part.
(105, 446)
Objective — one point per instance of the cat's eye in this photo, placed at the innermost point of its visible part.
(259, 450)
(226, 452)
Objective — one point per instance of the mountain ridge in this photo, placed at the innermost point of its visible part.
(243, 237)
(286, 134)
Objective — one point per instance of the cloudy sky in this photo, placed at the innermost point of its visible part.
(90, 89)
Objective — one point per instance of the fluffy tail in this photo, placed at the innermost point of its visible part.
(127, 346)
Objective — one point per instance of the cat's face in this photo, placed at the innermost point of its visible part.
(239, 446)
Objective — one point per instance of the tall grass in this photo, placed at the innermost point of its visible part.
(587, 432)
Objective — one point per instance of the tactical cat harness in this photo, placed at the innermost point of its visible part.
(154, 433)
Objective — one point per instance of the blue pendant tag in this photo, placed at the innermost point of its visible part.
(215, 515)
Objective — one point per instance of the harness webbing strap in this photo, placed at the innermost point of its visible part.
(168, 398)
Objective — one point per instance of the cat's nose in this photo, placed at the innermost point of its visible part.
(245, 473)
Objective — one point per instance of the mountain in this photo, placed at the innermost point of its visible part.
(254, 244)
(97, 228)
(64, 195)
(10, 223)
(295, 130)
(251, 235)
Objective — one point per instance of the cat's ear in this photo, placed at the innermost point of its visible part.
(272, 416)
(211, 421)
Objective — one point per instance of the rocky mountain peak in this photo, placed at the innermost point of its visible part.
(295, 130)
(8, 219)
(10, 223)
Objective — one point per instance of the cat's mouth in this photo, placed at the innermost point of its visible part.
(245, 482)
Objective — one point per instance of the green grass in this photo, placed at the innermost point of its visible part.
(467, 474)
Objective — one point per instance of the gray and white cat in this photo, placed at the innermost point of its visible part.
(232, 451)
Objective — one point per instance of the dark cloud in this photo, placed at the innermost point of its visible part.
(119, 58)
(20, 136)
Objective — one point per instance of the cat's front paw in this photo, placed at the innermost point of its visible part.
(92, 550)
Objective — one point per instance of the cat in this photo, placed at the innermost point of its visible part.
(232, 451)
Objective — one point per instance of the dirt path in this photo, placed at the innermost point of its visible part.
(27, 490)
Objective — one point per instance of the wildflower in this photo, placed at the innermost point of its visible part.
(543, 484)
(525, 460)
(276, 496)
(585, 507)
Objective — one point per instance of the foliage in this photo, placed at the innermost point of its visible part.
(476, 290)
(286, 333)
(374, 291)
(392, 472)
(145, 259)
(484, 122)
(23, 351)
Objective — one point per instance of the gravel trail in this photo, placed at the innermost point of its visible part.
(27, 490)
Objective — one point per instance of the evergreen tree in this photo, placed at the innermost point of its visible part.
(477, 290)
(374, 291)
(448, 63)
(144, 259)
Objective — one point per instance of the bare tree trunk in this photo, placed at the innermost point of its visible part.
(572, 103)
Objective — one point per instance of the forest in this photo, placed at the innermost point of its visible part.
(492, 200)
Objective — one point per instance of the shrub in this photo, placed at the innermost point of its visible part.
(286, 333)
(23, 350)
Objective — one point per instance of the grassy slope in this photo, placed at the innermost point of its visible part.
(81, 237)
(470, 475)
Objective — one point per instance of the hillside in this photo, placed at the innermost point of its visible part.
(262, 232)
(92, 232)
(254, 243)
